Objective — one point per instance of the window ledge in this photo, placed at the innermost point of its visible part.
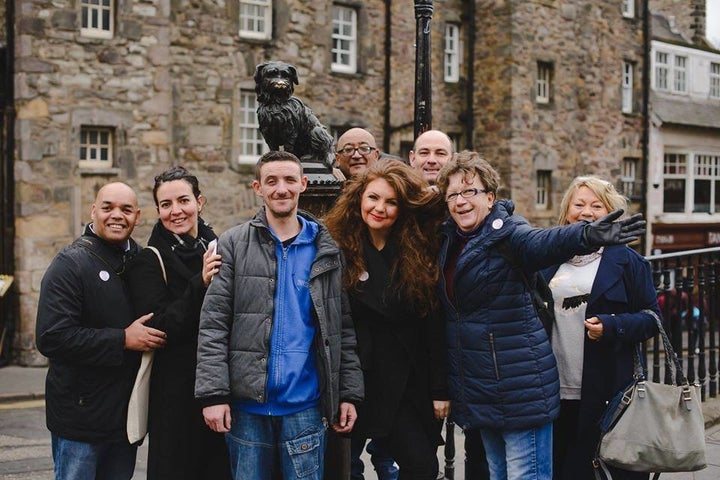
(104, 172)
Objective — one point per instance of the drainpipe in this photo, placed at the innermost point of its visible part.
(8, 304)
(388, 58)
(646, 120)
(469, 114)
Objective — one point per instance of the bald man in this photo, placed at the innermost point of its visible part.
(86, 328)
(356, 152)
(432, 150)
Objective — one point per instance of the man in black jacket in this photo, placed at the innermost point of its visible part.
(86, 329)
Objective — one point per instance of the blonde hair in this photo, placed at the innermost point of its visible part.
(604, 190)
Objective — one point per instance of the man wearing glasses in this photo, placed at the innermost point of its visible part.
(356, 152)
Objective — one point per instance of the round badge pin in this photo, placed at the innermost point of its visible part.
(104, 275)
(364, 277)
(497, 224)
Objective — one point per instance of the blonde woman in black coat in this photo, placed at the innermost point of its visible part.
(181, 445)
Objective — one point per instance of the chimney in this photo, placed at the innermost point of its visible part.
(698, 20)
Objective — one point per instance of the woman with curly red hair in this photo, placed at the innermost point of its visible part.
(385, 222)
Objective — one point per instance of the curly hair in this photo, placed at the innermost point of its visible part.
(415, 230)
(470, 164)
(604, 190)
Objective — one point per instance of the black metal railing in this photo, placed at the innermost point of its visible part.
(688, 288)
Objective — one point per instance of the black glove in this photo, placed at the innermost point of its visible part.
(607, 231)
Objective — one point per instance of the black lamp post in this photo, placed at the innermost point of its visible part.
(423, 93)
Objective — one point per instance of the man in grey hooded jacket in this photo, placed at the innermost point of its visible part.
(277, 360)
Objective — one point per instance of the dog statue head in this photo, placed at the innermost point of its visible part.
(274, 81)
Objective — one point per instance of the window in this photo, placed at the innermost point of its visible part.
(452, 53)
(542, 195)
(714, 80)
(96, 147)
(680, 74)
(706, 184)
(544, 79)
(628, 8)
(674, 174)
(628, 180)
(691, 183)
(344, 39)
(670, 72)
(627, 87)
(661, 70)
(97, 18)
(256, 19)
(252, 143)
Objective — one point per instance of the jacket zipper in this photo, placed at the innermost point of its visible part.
(494, 355)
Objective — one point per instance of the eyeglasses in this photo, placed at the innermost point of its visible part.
(468, 193)
(349, 151)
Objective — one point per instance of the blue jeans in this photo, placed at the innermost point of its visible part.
(382, 461)
(90, 461)
(519, 454)
(298, 440)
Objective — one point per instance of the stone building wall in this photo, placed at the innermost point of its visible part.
(169, 82)
(582, 129)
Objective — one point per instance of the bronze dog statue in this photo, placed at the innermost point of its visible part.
(285, 122)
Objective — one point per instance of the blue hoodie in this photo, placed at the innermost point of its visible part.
(293, 383)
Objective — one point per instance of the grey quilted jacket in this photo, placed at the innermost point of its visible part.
(237, 313)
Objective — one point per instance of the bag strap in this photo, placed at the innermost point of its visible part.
(678, 377)
(159, 257)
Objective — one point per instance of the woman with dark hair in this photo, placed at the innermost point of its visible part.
(181, 445)
(600, 300)
(385, 224)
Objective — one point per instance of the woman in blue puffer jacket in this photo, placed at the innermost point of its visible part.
(503, 380)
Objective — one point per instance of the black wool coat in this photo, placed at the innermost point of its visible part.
(181, 445)
(402, 351)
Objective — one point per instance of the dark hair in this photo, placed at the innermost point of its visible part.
(176, 173)
(420, 210)
(276, 156)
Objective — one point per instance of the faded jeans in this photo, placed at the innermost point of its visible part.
(298, 440)
(519, 454)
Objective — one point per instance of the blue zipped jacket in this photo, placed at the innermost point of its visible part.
(292, 384)
(502, 372)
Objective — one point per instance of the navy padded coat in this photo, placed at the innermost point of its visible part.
(502, 372)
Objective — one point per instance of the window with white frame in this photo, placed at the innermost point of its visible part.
(691, 183)
(252, 143)
(680, 74)
(627, 87)
(452, 52)
(671, 72)
(628, 8)
(706, 183)
(662, 70)
(544, 82)
(97, 18)
(256, 19)
(344, 39)
(714, 80)
(542, 190)
(628, 180)
(96, 147)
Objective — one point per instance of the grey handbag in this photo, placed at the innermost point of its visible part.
(653, 427)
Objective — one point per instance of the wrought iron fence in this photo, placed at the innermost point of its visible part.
(688, 288)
